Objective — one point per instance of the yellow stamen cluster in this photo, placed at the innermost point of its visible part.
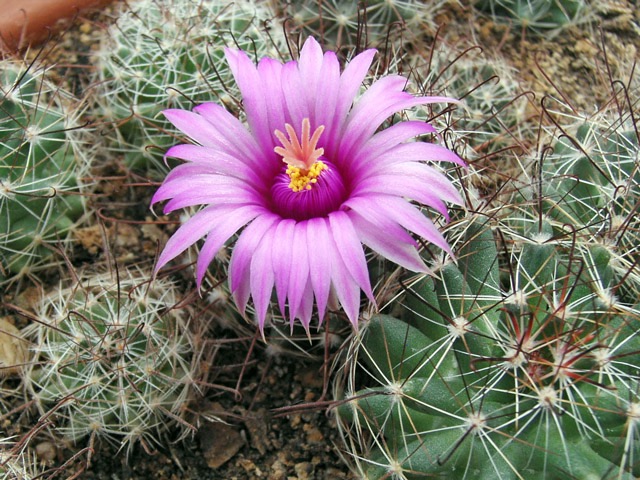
(304, 179)
(301, 155)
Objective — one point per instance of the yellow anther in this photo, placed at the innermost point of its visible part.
(303, 179)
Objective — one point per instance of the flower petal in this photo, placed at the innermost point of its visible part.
(232, 136)
(431, 178)
(306, 306)
(326, 101)
(384, 98)
(344, 285)
(299, 269)
(350, 84)
(261, 276)
(243, 251)
(401, 186)
(400, 211)
(193, 125)
(389, 240)
(412, 151)
(282, 258)
(297, 105)
(319, 262)
(228, 222)
(310, 68)
(223, 196)
(394, 135)
(270, 73)
(193, 229)
(253, 96)
(214, 160)
(350, 249)
(203, 188)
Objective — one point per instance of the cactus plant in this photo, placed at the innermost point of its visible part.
(538, 15)
(590, 186)
(112, 359)
(526, 369)
(495, 106)
(44, 158)
(520, 361)
(344, 23)
(161, 54)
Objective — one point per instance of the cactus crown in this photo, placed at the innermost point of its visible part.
(112, 359)
(44, 158)
(513, 370)
(541, 16)
(170, 54)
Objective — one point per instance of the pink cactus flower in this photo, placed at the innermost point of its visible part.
(307, 182)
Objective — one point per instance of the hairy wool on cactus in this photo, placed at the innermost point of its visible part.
(45, 156)
(112, 359)
(523, 370)
(310, 179)
(169, 53)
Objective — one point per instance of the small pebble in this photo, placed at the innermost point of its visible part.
(13, 349)
(46, 452)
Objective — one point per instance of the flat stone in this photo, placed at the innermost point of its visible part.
(219, 443)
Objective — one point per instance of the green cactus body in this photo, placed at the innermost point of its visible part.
(494, 108)
(590, 193)
(163, 54)
(113, 361)
(44, 159)
(537, 15)
(525, 375)
(340, 23)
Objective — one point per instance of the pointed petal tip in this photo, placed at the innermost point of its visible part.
(354, 320)
(200, 273)
(154, 200)
(160, 262)
(459, 160)
(366, 55)
(310, 43)
(241, 305)
(170, 113)
(261, 328)
(230, 53)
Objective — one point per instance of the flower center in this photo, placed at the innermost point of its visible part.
(301, 155)
(326, 195)
(309, 187)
